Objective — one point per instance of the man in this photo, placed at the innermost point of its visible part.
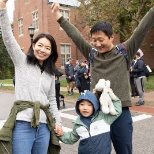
(76, 68)
(111, 66)
(140, 79)
(82, 69)
(69, 71)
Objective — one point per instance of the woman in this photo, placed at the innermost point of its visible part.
(35, 102)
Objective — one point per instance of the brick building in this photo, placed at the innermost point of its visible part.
(38, 14)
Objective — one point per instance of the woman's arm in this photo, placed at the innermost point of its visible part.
(52, 101)
(11, 44)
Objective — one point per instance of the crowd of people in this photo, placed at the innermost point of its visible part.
(34, 125)
(78, 76)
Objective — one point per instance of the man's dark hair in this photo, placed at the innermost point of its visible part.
(103, 26)
(48, 64)
(138, 54)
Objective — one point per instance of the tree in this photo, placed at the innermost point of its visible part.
(124, 15)
(6, 65)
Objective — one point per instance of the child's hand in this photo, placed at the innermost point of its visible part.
(94, 91)
(58, 130)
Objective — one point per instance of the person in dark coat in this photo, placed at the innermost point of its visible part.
(69, 71)
(57, 87)
(134, 91)
(82, 69)
(140, 79)
(85, 82)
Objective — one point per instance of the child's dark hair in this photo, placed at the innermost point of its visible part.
(103, 26)
(86, 73)
(48, 64)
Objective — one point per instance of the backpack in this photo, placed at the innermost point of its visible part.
(147, 70)
(120, 48)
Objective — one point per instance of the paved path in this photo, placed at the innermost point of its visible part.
(143, 109)
(149, 99)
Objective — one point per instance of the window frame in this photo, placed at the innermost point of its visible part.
(65, 53)
(35, 20)
(20, 27)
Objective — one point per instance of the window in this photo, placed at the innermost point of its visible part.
(65, 51)
(35, 20)
(20, 26)
(65, 14)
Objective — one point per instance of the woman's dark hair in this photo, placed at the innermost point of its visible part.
(103, 26)
(48, 64)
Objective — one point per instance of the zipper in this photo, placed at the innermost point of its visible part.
(5, 148)
(89, 132)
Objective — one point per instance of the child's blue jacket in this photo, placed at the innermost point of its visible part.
(96, 139)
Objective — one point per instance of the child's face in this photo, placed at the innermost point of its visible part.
(86, 108)
(85, 76)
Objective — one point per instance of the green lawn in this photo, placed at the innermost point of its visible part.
(149, 84)
(7, 81)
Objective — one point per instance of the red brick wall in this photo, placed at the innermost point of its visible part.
(47, 23)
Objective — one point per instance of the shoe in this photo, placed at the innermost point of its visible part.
(72, 92)
(139, 103)
(69, 94)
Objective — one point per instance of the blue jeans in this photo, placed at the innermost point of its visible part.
(121, 132)
(28, 140)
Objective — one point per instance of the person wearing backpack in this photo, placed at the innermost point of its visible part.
(69, 71)
(134, 91)
(110, 64)
(138, 71)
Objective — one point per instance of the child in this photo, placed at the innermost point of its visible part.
(85, 81)
(92, 127)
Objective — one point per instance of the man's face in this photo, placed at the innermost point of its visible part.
(101, 42)
(70, 61)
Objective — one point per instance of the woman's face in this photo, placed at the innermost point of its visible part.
(42, 49)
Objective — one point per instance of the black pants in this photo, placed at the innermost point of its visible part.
(121, 132)
(133, 87)
(57, 86)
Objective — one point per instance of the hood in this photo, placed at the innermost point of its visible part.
(141, 58)
(87, 95)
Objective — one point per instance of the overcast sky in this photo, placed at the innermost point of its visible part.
(10, 8)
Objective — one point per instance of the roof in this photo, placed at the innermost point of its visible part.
(67, 2)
